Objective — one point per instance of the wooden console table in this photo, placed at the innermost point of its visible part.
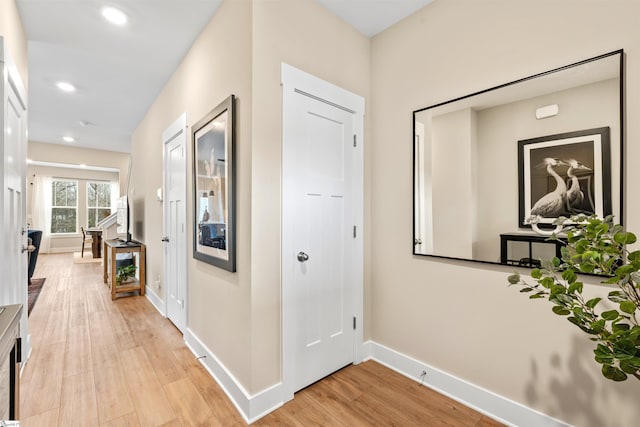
(96, 241)
(10, 357)
(111, 249)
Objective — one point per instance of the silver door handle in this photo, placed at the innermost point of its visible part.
(417, 241)
(24, 249)
(302, 257)
(165, 239)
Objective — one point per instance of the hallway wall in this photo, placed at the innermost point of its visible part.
(58, 153)
(12, 31)
(217, 65)
(308, 37)
(237, 315)
(458, 316)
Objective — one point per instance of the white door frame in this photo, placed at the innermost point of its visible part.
(177, 130)
(10, 255)
(423, 226)
(294, 82)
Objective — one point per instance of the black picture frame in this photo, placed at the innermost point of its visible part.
(214, 231)
(540, 178)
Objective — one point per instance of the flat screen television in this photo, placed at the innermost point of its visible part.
(123, 219)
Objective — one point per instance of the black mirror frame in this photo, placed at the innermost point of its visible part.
(622, 98)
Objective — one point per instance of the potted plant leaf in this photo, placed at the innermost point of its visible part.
(124, 273)
(596, 246)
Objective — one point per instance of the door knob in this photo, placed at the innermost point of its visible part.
(302, 257)
(417, 241)
(165, 239)
(24, 249)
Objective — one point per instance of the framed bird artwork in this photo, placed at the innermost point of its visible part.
(563, 175)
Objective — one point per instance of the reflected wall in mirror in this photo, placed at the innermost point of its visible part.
(470, 198)
(213, 187)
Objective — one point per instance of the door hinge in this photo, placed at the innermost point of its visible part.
(354, 140)
(354, 323)
(354, 231)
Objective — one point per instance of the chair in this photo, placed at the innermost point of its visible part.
(35, 236)
(85, 239)
(210, 236)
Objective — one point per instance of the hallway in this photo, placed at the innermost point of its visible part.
(101, 363)
(98, 362)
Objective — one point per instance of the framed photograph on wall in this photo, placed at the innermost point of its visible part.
(564, 175)
(214, 187)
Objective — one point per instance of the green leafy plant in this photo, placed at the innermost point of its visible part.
(124, 273)
(596, 246)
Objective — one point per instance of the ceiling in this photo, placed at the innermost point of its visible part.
(118, 71)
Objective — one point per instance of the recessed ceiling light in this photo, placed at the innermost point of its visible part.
(113, 15)
(68, 138)
(66, 86)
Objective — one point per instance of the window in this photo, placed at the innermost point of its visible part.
(64, 209)
(98, 202)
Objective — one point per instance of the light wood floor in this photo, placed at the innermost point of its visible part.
(101, 363)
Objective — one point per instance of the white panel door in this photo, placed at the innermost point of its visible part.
(175, 239)
(14, 197)
(321, 213)
(13, 212)
(323, 236)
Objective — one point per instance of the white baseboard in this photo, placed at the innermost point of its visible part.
(484, 401)
(254, 407)
(65, 250)
(251, 407)
(156, 301)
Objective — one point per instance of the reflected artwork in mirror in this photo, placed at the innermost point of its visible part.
(489, 164)
(214, 187)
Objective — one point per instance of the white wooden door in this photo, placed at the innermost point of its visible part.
(175, 238)
(322, 253)
(13, 213)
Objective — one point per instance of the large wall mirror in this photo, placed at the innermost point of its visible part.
(488, 164)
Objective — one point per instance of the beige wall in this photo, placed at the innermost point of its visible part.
(237, 315)
(306, 36)
(453, 187)
(15, 39)
(461, 317)
(217, 65)
(585, 107)
(58, 153)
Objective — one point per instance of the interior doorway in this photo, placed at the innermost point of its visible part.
(174, 140)
(322, 224)
(13, 217)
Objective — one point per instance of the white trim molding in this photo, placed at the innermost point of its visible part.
(497, 407)
(254, 407)
(295, 82)
(251, 407)
(63, 250)
(156, 301)
(176, 287)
